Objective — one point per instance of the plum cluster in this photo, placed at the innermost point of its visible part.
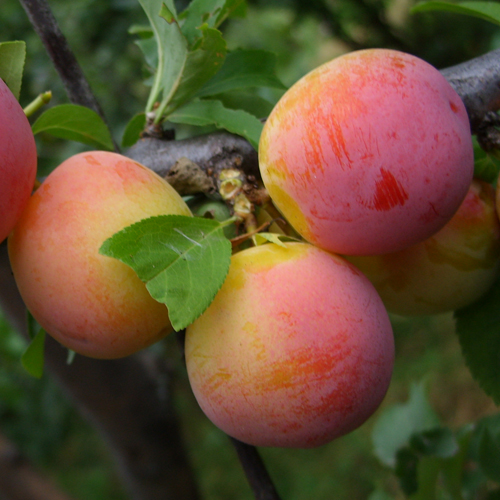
(369, 157)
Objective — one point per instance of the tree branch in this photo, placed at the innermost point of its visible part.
(127, 400)
(70, 72)
(477, 82)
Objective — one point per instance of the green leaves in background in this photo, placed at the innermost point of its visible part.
(243, 69)
(12, 57)
(75, 123)
(398, 423)
(33, 356)
(200, 65)
(212, 112)
(133, 130)
(429, 460)
(489, 11)
(193, 71)
(183, 261)
(211, 12)
(478, 330)
(485, 447)
(32, 359)
(486, 165)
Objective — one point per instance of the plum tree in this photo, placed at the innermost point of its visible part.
(451, 269)
(368, 153)
(92, 304)
(18, 160)
(296, 349)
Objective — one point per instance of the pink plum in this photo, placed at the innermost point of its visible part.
(296, 349)
(449, 270)
(368, 153)
(18, 160)
(91, 303)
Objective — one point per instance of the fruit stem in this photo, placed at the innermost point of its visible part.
(37, 103)
(256, 473)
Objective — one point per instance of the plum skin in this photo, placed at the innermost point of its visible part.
(296, 349)
(90, 303)
(368, 153)
(450, 270)
(18, 160)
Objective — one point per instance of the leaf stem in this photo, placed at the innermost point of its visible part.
(37, 103)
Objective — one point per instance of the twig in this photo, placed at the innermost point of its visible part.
(63, 59)
(255, 471)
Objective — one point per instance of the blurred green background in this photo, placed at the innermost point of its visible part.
(303, 33)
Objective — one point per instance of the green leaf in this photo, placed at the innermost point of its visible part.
(75, 123)
(439, 442)
(486, 166)
(149, 49)
(183, 261)
(12, 57)
(211, 112)
(249, 102)
(478, 330)
(172, 49)
(489, 454)
(244, 69)
(277, 239)
(379, 495)
(133, 130)
(211, 12)
(202, 63)
(32, 359)
(453, 468)
(394, 428)
(489, 11)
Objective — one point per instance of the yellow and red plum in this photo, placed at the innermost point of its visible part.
(449, 270)
(90, 303)
(368, 153)
(296, 349)
(18, 160)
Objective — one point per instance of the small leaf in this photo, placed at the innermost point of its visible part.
(133, 130)
(247, 101)
(278, 239)
(478, 330)
(202, 63)
(32, 359)
(488, 11)
(183, 261)
(211, 12)
(12, 57)
(243, 69)
(486, 166)
(171, 46)
(394, 428)
(149, 49)
(489, 454)
(439, 442)
(75, 123)
(211, 112)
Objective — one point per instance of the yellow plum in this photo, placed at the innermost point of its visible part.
(90, 303)
(296, 349)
